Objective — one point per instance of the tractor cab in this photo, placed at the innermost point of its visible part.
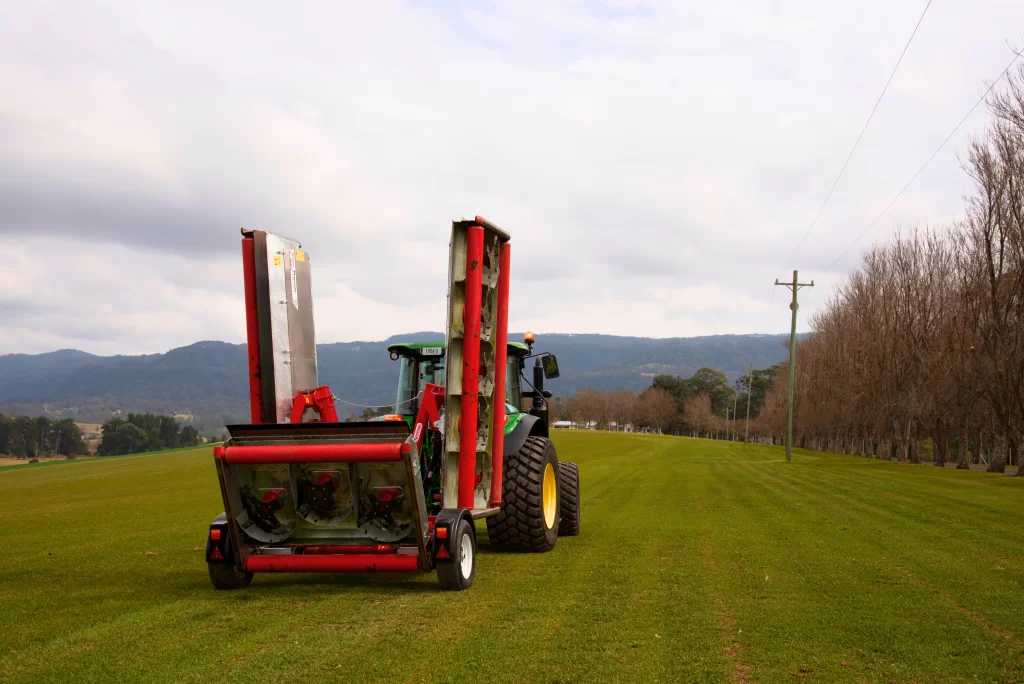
(422, 363)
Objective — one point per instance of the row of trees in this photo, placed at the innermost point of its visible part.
(698, 404)
(32, 437)
(925, 343)
(145, 432)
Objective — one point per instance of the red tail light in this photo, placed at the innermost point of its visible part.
(216, 554)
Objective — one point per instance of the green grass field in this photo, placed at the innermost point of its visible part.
(699, 561)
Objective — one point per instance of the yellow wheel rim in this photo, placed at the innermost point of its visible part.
(550, 495)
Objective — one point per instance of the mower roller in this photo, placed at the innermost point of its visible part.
(303, 492)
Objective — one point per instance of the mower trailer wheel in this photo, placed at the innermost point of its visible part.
(529, 513)
(225, 577)
(458, 573)
(569, 483)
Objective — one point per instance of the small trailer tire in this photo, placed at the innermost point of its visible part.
(569, 484)
(458, 573)
(226, 577)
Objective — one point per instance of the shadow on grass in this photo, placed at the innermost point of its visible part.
(375, 582)
(488, 549)
(187, 583)
(313, 584)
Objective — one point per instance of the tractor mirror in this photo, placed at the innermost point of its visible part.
(550, 366)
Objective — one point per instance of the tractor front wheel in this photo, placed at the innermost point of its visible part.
(227, 577)
(457, 574)
(529, 513)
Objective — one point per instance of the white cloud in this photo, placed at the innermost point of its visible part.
(656, 163)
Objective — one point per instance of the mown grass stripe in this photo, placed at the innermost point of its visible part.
(876, 572)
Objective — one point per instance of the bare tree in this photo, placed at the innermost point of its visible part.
(926, 340)
(656, 408)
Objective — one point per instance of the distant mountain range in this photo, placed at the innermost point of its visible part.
(206, 383)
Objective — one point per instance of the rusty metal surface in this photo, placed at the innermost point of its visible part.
(487, 404)
(421, 524)
(278, 507)
(286, 308)
(276, 504)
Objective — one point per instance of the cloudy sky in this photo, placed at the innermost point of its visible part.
(656, 163)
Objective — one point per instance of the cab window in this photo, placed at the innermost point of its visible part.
(407, 387)
(512, 383)
(413, 377)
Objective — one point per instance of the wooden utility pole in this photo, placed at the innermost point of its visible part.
(794, 286)
(735, 396)
(750, 390)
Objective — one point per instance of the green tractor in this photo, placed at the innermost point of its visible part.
(305, 492)
(540, 495)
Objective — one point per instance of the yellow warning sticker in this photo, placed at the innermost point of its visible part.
(277, 260)
(300, 256)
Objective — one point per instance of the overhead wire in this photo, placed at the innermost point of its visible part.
(929, 160)
(859, 137)
(395, 406)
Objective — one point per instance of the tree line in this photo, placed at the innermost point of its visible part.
(704, 404)
(32, 437)
(144, 432)
(924, 344)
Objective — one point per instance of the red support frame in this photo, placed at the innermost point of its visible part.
(428, 414)
(320, 400)
(500, 376)
(470, 365)
(252, 335)
(314, 453)
(364, 562)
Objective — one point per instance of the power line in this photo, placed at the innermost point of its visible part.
(937, 150)
(795, 287)
(862, 130)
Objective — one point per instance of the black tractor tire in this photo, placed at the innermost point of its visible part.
(226, 577)
(569, 495)
(458, 573)
(520, 523)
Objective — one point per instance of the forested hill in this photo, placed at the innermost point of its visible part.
(205, 381)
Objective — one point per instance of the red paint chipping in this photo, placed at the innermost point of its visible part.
(252, 335)
(328, 549)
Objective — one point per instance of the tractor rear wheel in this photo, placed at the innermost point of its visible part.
(227, 577)
(569, 483)
(529, 513)
(458, 573)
